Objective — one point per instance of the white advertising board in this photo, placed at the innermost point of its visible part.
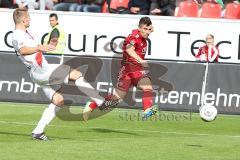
(102, 34)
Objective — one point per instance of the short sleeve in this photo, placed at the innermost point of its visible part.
(132, 41)
(18, 41)
(199, 52)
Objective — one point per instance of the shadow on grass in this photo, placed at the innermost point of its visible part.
(29, 136)
(104, 130)
(194, 145)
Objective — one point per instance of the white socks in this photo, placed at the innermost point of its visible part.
(48, 114)
(86, 88)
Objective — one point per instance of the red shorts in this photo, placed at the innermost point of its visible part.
(130, 75)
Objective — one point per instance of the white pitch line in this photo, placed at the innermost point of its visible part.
(120, 110)
(118, 129)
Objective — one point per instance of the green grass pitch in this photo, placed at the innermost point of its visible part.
(118, 135)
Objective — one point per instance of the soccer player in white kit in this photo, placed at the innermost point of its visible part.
(30, 53)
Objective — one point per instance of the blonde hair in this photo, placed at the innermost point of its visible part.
(211, 35)
(18, 14)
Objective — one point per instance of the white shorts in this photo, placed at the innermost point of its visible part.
(50, 78)
(51, 74)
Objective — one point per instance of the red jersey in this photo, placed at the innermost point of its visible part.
(135, 39)
(210, 54)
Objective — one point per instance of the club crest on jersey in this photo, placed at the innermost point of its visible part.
(132, 43)
(144, 50)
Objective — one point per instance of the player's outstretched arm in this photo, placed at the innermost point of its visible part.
(31, 50)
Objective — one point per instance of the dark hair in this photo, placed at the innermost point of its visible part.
(145, 21)
(53, 15)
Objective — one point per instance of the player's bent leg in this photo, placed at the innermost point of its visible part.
(92, 105)
(110, 102)
(74, 74)
(89, 107)
(85, 87)
(119, 94)
(147, 98)
(145, 84)
(123, 85)
(58, 99)
(114, 99)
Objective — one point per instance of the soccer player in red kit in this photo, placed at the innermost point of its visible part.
(209, 52)
(133, 71)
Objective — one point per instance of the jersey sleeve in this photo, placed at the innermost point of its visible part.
(132, 41)
(215, 53)
(18, 41)
(199, 52)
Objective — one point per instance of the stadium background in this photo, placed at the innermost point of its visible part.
(176, 75)
(122, 134)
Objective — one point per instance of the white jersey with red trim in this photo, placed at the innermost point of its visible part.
(39, 69)
(34, 61)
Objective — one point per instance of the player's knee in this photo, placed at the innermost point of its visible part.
(145, 84)
(58, 100)
(74, 75)
(147, 88)
(119, 94)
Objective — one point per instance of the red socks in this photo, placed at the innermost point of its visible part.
(93, 105)
(147, 99)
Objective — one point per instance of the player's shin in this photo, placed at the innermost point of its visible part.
(147, 99)
(148, 108)
(48, 114)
